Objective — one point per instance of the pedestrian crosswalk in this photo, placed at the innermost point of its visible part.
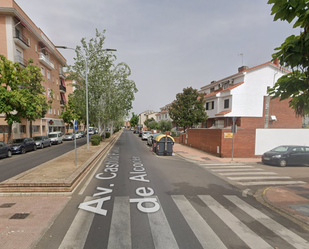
(223, 208)
(247, 175)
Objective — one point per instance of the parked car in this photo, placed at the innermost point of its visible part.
(80, 134)
(55, 137)
(42, 141)
(22, 145)
(287, 155)
(68, 136)
(145, 134)
(5, 150)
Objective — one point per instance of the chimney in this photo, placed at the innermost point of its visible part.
(242, 69)
(276, 62)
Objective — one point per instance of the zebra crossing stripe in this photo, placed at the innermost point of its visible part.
(289, 236)
(206, 236)
(235, 170)
(162, 234)
(77, 234)
(271, 183)
(241, 178)
(247, 173)
(120, 229)
(227, 167)
(245, 233)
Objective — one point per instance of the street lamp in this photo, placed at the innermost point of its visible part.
(87, 108)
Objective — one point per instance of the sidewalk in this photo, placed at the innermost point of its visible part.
(291, 201)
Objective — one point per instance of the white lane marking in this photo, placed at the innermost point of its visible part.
(205, 235)
(283, 232)
(247, 173)
(245, 192)
(245, 233)
(271, 183)
(227, 167)
(235, 170)
(77, 234)
(162, 234)
(120, 229)
(240, 178)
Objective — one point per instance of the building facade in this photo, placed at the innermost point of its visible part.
(21, 40)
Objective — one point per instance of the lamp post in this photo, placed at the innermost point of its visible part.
(86, 78)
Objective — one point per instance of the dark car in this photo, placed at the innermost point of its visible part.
(22, 145)
(287, 155)
(42, 141)
(5, 150)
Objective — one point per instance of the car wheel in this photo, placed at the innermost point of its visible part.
(42, 146)
(23, 150)
(50, 144)
(282, 163)
(9, 154)
(34, 148)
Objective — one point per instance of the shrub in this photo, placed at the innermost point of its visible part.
(95, 139)
(107, 134)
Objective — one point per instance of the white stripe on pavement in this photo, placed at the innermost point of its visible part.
(199, 226)
(240, 178)
(77, 234)
(227, 167)
(247, 173)
(283, 232)
(271, 183)
(245, 233)
(162, 234)
(120, 229)
(235, 170)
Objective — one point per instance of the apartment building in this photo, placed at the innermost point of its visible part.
(21, 40)
(163, 113)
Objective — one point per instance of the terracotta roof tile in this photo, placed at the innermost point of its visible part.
(223, 113)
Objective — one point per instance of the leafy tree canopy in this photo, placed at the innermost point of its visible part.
(293, 53)
(164, 125)
(188, 108)
(134, 120)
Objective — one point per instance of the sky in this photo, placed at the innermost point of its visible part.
(168, 44)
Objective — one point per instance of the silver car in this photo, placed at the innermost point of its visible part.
(42, 141)
(68, 136)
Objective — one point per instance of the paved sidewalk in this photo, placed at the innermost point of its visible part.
(291, 201)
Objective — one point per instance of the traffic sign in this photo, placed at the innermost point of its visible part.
(75, 124)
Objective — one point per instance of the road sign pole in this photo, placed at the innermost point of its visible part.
(75, 129)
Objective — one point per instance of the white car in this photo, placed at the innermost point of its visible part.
(146, 134)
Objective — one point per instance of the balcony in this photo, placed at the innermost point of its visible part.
(45, 61)
(61, 73)
(21, 61)
(62, 102)
(62, 88)
(21, 40)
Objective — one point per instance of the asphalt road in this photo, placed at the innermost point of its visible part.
(136, 199)
(19, 163)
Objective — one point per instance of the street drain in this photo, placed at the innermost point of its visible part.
(7, 205)
(205, 158)
(20, 216)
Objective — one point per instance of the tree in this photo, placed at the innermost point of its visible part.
(134, 120)
(146, 123)
(188, 108)
(70, 111)
(165, 125)
(11, 99)
(294, 54)
(110, 91)
(153, 125)
(35, 104)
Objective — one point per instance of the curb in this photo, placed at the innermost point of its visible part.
(64, 187)
(260, 196)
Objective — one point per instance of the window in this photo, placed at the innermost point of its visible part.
(49, 92)
(57, 82)
(43, 71)
(28, 41)
(36, 48)
(50, 111)
(48, 74)
(4, 129)
(212, 89)
(35, 128)
(210, 105)
(226, 103)
(22, 129)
